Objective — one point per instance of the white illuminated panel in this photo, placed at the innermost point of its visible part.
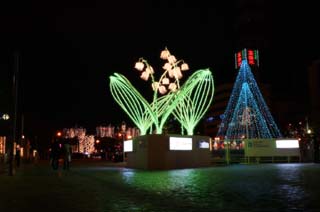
(287, 143)
(177, 143)
(127, 146)
(204, 145)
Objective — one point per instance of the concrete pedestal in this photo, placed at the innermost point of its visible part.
(153, 152)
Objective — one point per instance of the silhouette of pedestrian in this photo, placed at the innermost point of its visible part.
(66, 154)
(54, 155)
(18, 155)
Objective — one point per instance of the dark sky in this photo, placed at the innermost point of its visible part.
(68, 49)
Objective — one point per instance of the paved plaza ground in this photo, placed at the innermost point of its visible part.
(99, 186)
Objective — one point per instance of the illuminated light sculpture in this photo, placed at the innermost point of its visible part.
(187, 103)
(247, 115)
(197, 94)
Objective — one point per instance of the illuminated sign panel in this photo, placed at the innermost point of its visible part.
(128, 146)
(287, 143)
(271, 148)
(204, 144)
(177, 143)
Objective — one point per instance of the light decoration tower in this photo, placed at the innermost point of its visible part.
(247, 115)
(187, 102)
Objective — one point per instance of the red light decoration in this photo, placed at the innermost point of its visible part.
(252, 56)
(239, 58)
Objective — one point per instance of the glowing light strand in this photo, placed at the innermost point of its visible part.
(247, 115)
(188, 103)
(195, 99)
(130, 100)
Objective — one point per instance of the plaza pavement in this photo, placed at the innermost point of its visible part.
(37, 187)
(99, 186)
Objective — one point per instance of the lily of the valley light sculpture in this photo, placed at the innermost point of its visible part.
(188, 103)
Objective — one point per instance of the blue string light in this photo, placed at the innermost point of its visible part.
(247, 114)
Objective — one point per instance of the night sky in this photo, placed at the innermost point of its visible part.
(68, 49)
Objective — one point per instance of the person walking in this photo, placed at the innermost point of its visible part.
(18, 156)
(66, 154)
(54, 155)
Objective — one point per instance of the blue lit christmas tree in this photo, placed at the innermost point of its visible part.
(247, 114)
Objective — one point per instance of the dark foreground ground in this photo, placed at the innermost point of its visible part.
(99, 186)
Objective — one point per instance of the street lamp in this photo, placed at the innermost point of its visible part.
(97, 144)
(5, 116)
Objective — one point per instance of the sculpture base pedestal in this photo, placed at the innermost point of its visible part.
(158, 152)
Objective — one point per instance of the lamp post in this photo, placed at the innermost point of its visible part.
(15, 112)
(97, 147)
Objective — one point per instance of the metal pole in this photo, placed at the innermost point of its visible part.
(123, 153)
(15, 104)
(228, 152)
(22, 125)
